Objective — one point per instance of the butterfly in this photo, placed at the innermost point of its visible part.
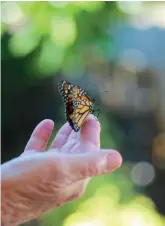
(78, 104)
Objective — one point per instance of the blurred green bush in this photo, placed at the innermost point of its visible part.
(68, 35)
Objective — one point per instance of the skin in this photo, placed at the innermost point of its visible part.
(40, 180)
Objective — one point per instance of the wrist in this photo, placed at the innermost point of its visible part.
(22, 196)
(14, 208)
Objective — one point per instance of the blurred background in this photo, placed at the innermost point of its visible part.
(113, 46)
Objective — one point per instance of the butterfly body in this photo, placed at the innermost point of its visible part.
(78, 105)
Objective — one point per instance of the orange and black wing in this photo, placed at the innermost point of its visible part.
(82, 106)
(65, 90)
(78, 104)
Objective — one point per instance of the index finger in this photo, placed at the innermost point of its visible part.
(90, 131)
(40, 136)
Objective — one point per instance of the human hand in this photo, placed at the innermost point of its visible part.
(39, 180)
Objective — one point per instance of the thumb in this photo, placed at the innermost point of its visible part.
(90, 164)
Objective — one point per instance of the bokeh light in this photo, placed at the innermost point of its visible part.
(159, 151)
(133, 60)
(58, 4)
(23, 42)
(130, 7)
(11, 13)
(143, 173)
(63, 31)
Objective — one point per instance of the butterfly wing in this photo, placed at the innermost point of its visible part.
(82, 105)
(78, 104)
(65, 90)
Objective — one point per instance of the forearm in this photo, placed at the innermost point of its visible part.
(14, 206)
(18, 204)
(11, 211)
(24, 195)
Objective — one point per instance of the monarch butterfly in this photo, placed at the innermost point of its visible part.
(78, 105)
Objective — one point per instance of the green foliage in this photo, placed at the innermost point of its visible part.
(69, 34)
(24, 41)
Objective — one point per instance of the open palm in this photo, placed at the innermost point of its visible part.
(46, 179)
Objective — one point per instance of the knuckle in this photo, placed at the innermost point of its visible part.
(92, 169)
(89, 170)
